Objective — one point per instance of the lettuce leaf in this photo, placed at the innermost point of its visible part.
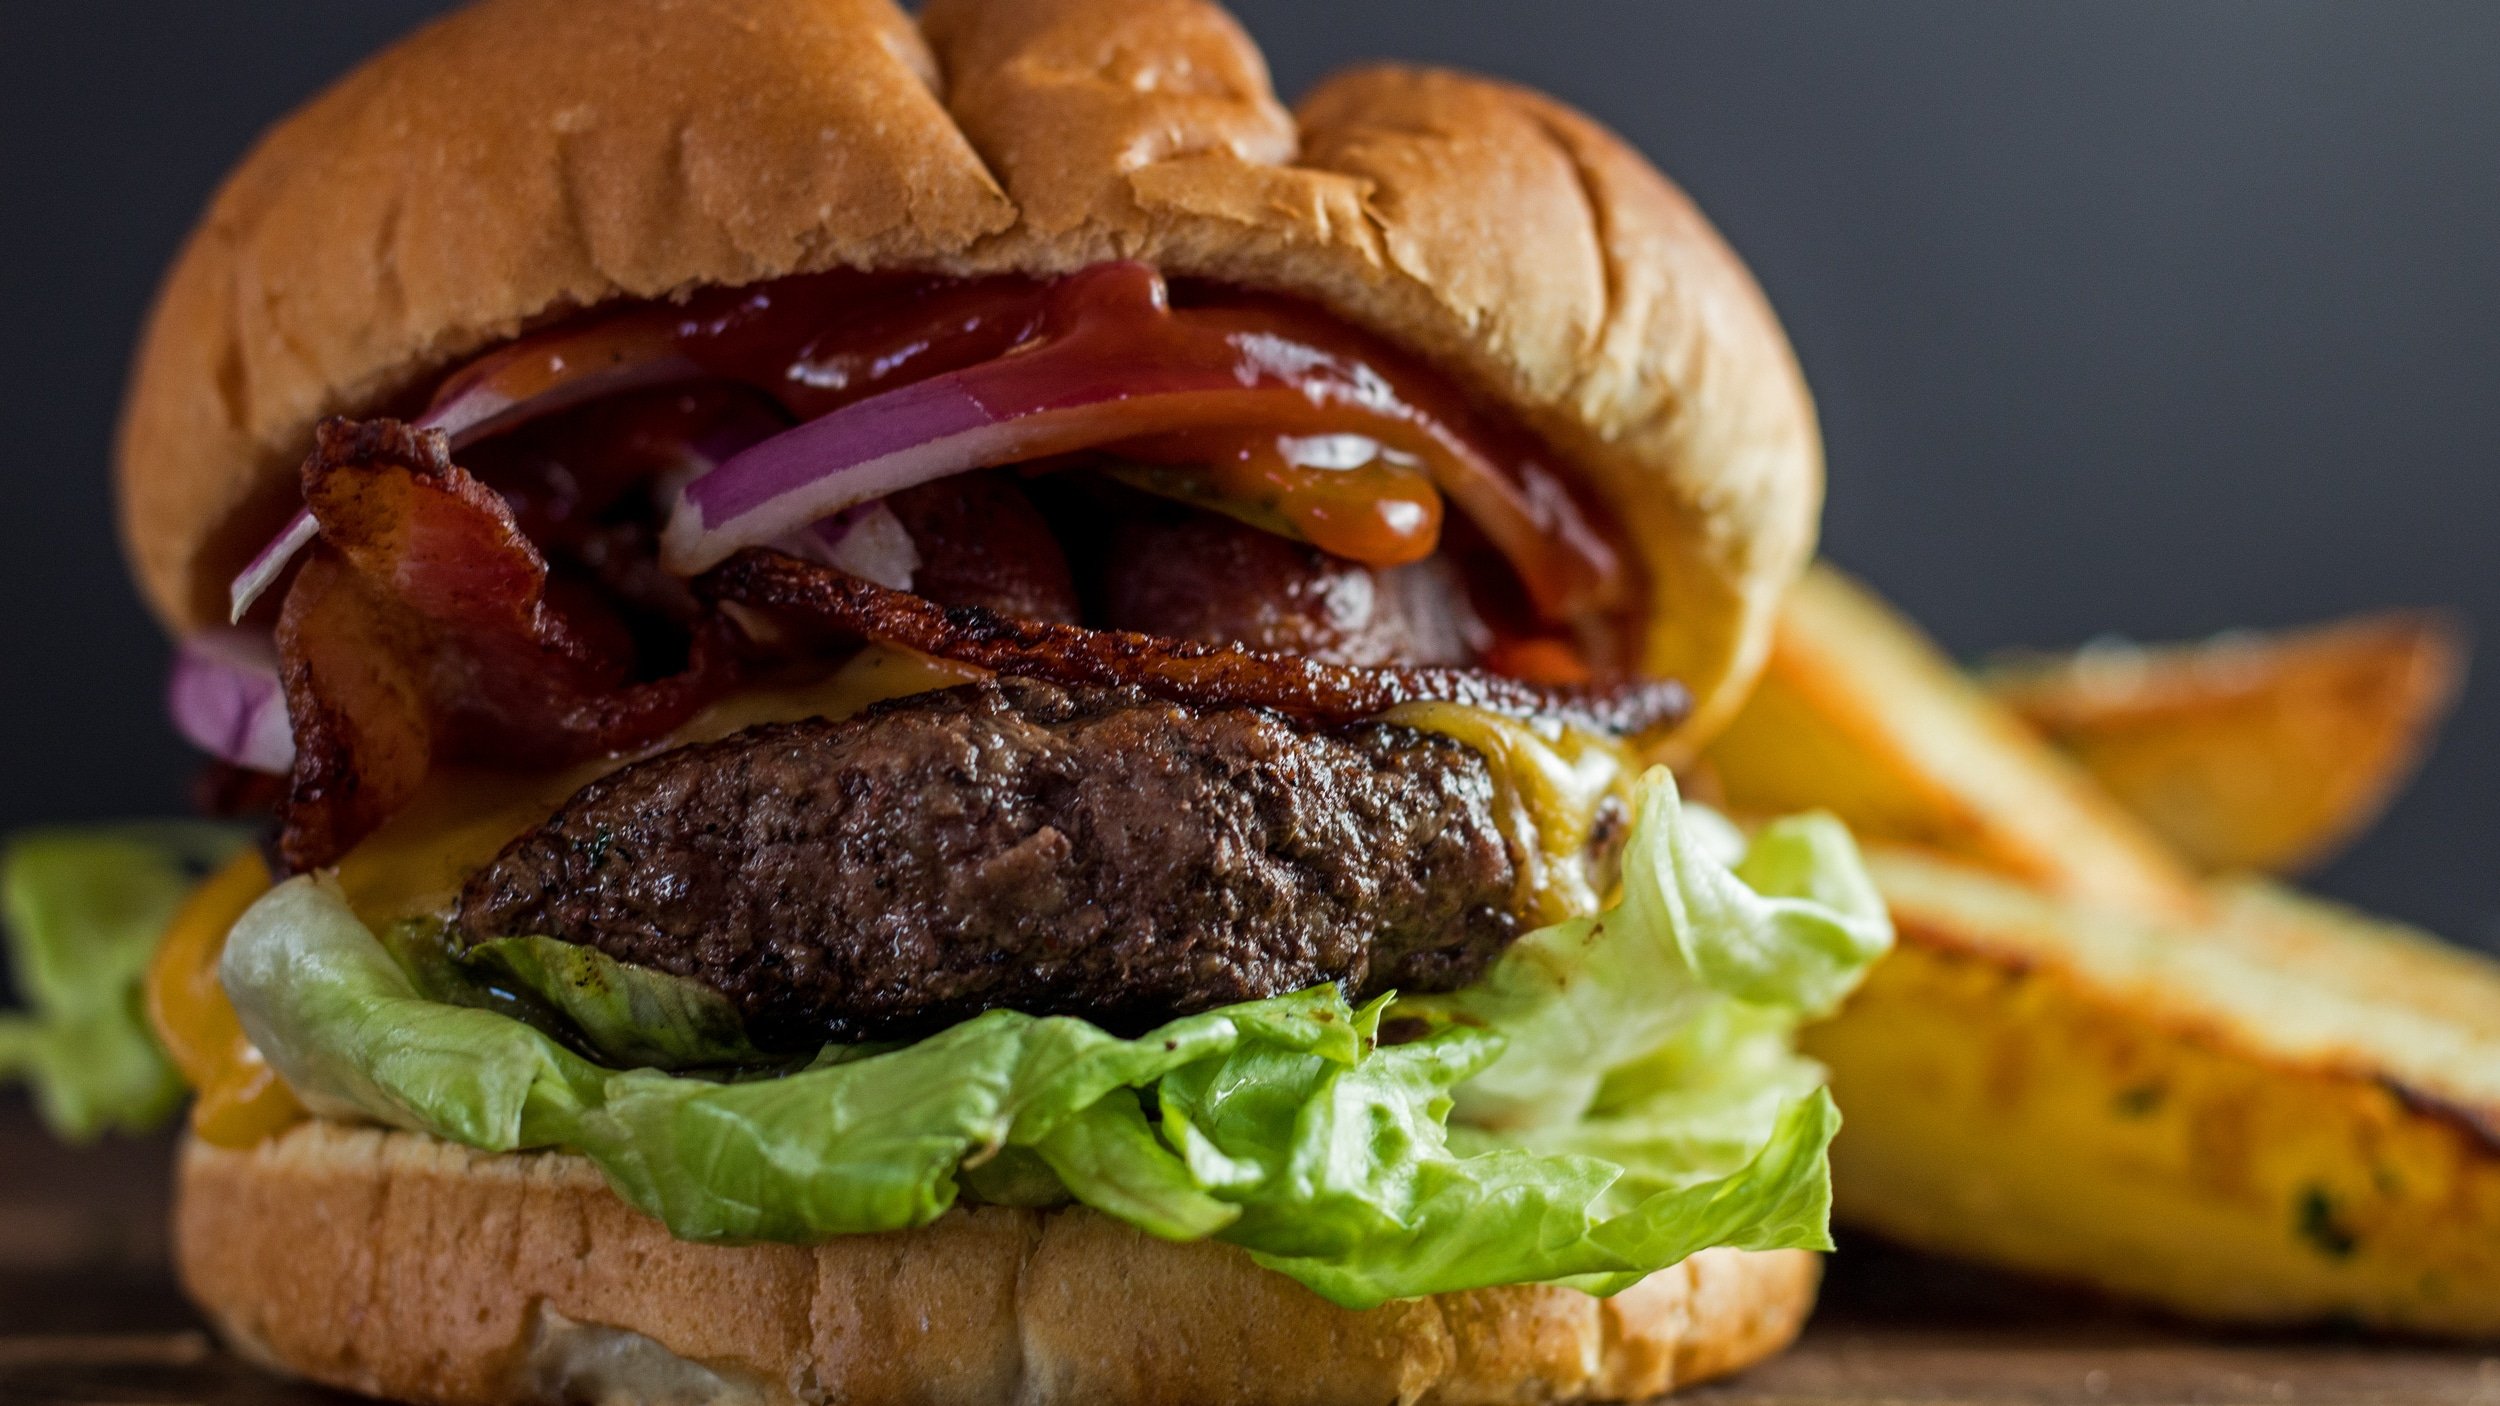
(1287, 1126)
(617, 1013)
(1786, 923)
(84, 910)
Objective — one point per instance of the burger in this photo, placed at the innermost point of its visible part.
(948, 710)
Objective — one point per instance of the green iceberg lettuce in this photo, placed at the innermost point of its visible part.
(1618, 1093)
(84, 910)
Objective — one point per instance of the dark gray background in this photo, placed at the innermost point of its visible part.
(2131, 315)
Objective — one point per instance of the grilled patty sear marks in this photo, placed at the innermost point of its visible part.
(1057, 850)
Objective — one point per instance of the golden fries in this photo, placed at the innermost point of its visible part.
(2248, 751)
(2083, 1061)
(1859, 714)
(2285, 1113)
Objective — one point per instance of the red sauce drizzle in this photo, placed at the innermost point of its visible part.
(1357, 464)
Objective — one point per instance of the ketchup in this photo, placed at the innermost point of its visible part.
(1353, 451)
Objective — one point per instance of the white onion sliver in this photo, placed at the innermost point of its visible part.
(857, 454)
(868, 541)
(266, 567)
(226, 700)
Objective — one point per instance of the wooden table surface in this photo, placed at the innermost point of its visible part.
(89, 1315)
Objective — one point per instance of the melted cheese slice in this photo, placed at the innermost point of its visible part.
(463, 817)
(1550, 785)
(241, 1099)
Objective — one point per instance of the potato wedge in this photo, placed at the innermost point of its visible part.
(1860, 714)
(2249, 751)
(2282, 1114)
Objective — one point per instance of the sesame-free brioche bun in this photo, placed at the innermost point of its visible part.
(522, 159)
(398, 1265)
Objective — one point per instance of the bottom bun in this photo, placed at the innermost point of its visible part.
(403, 1266)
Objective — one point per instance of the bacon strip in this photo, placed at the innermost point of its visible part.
(1176, 670)
(426, 627)
(364, 734)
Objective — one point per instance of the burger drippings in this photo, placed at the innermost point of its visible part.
(1351, 445)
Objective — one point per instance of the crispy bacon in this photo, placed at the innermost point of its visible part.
(1180, 671)
(426, 627)
(363, 732)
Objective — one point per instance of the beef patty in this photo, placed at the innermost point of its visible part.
(1073, 851)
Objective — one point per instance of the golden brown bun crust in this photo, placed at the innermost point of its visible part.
(527, 157)
(398, 1265)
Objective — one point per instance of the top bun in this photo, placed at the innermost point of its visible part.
(523, 159)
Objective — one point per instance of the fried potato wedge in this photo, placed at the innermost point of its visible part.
(1859, 713)
(2284, 1113)
(2249, 751)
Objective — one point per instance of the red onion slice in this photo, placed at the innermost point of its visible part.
(226, 700)
(1006, 411)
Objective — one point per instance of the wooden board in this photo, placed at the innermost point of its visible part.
(89, 1316)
